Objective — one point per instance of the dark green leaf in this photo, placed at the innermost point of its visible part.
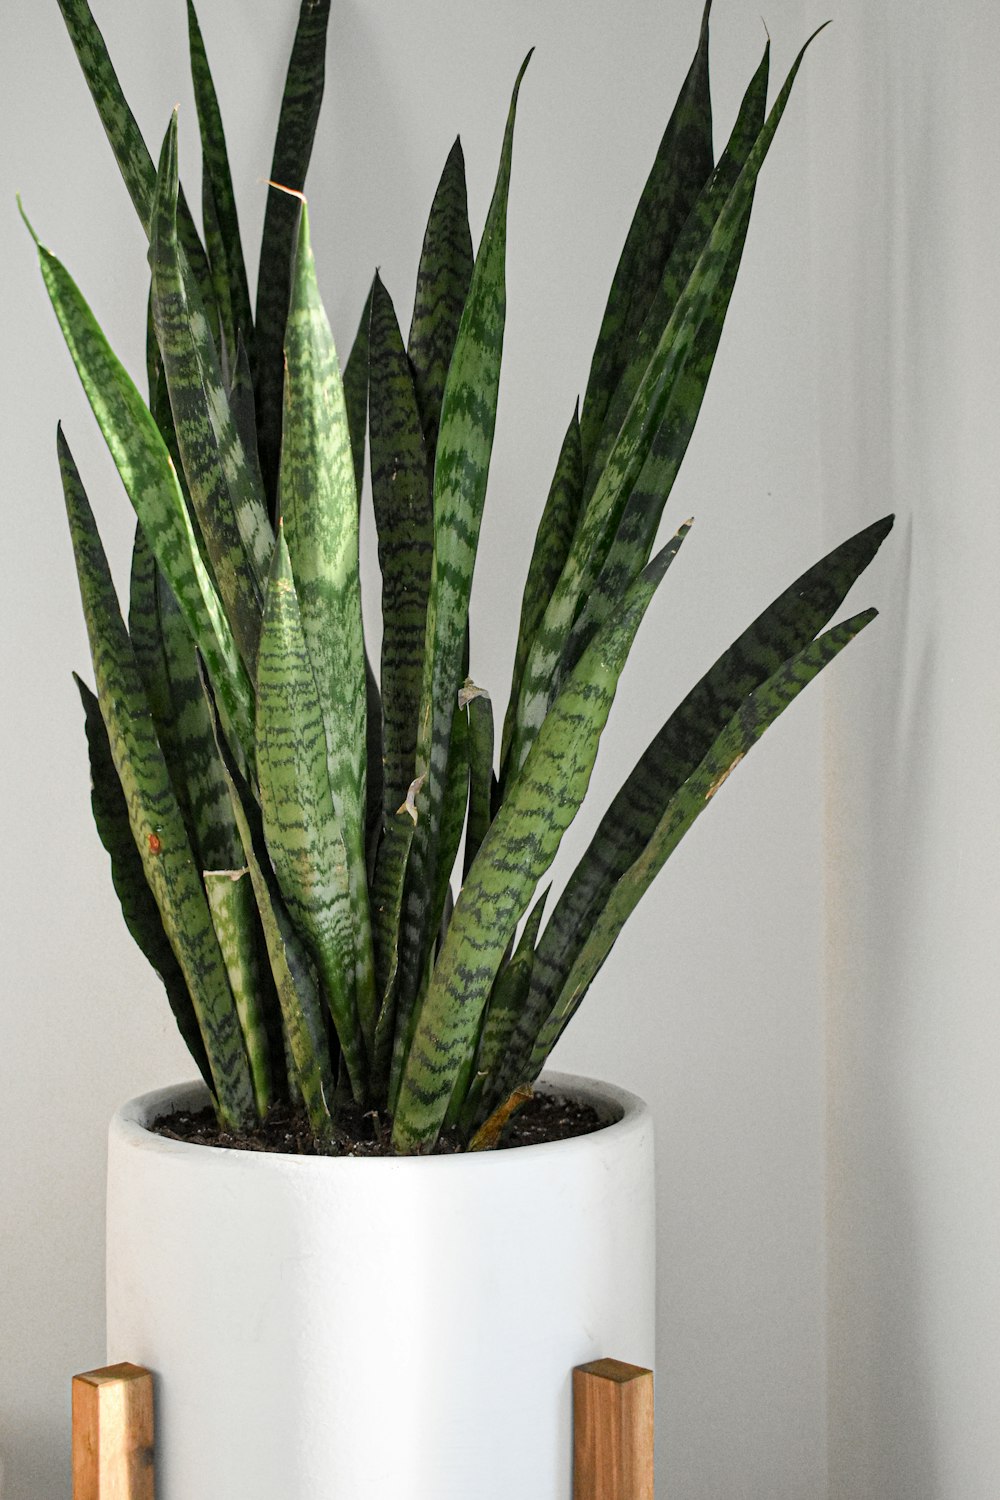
(154, 815)
(300, 106)
(225, 246)
(540, 804)
(683, 164)
(139, 908)
(744, 729)
(443, 279)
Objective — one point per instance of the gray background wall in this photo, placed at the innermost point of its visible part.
(806, 995)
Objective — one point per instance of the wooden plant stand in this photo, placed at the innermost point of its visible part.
(612, 1433)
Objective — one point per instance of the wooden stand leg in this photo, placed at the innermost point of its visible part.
(113, 1434)
(612, 1431)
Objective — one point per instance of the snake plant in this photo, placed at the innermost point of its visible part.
(285, 818)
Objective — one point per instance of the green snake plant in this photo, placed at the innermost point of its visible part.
(286, 818)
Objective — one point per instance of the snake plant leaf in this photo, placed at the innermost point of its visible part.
(388, 885)
(548, 558)
(660, 393)
(744, 729)
(139, 908)
(522, 841)
(241, 405)
(405, 523)
(303, 834)
(168, 663)
(356, 393)
(310, 1075)
(297, 121)
(356, 402)
(683, 164)
(150, 480)
(461, 467)
(782, 630)
(224, 243)
(481, 778)
(319, 509)
(154, 815)
(131, 152)
(636, 533)
(444, 276)
(234, 917)
(506, 1003)
(231, 515)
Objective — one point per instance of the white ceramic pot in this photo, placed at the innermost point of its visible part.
(376, 1329)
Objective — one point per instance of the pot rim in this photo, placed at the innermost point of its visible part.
(129, 1128)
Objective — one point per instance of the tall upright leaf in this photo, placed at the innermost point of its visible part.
(150, 480)
(683, 164)
(405, 523)
(304, 837)
(225, 246)
(138, 904)
(168, 664)
(319, 509)
(443, 280)
(229, 508)
(465, 443)
(300, 106)
(131, 152)
(552, 543)
(636, 534)
(154, 815)
(520, 846)
(660, 390)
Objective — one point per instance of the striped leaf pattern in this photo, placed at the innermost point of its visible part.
(293, 145)
(660, 389)
(403, 516)
(443, 280)
(285, 824)
(637, 529)
(552, 543)
(310, 1076)
(683, 164)
(139, 908)
(225, 247)
(319, 509)
(518, 849)
(482, 781)
(168, 664)
(150, 480)
(154, 815)
(461, 467)
(741, 733)
(131, 151)
(231, 516)
(785, 628)
(234, 917)
(506, 1003)
(304, 836)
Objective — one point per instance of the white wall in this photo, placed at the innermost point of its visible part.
(714, 1005)
(907, 248)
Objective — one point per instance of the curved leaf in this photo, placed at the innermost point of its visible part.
(154, 815)
(522, 841)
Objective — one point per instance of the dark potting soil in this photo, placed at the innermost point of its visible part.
(544, 1117)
